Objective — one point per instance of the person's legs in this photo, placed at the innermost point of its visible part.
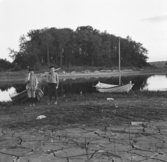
(33, 97)
(29, 96)
(55, 93)
(30, 101)
(33, 101)
(50, 92)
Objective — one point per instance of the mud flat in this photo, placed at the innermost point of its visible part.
(86, 128)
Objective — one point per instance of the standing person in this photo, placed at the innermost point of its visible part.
(31, 86)
(53, 83)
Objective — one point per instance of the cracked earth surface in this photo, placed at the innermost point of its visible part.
(108, 137)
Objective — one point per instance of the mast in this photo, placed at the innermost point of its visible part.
(119, 62)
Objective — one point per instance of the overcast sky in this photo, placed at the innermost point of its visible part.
(145, 21)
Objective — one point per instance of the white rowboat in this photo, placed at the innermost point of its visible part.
(110, 88)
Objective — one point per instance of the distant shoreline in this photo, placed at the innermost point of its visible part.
(20, 76)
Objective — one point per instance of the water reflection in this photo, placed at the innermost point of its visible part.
(5, 95)
(84, 85)
(156, 83)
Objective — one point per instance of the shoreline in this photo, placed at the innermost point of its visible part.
(15, 77)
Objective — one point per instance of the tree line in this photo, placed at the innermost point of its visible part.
(83, 47)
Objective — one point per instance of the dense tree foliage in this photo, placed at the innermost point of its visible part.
(83, 47)
(4, 64)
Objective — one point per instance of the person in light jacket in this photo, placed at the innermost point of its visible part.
(31, 86)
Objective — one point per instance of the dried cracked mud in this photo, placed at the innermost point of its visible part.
(128, 129)
(146, 142)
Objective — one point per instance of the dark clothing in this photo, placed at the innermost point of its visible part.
(52, 90)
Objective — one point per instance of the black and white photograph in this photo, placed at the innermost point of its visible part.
(83, 80)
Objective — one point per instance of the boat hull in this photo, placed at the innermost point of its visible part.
(22, 97)
(114, 89)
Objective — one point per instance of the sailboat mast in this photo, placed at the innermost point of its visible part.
(119, 59)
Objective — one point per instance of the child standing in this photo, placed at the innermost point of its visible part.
(31, 86)
(53, 83)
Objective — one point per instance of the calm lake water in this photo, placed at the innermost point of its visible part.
(76, 86)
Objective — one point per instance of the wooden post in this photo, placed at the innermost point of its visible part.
(119, 58)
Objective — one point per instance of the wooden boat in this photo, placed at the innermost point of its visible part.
(110, 88)
(103, 87)
(22, 96)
